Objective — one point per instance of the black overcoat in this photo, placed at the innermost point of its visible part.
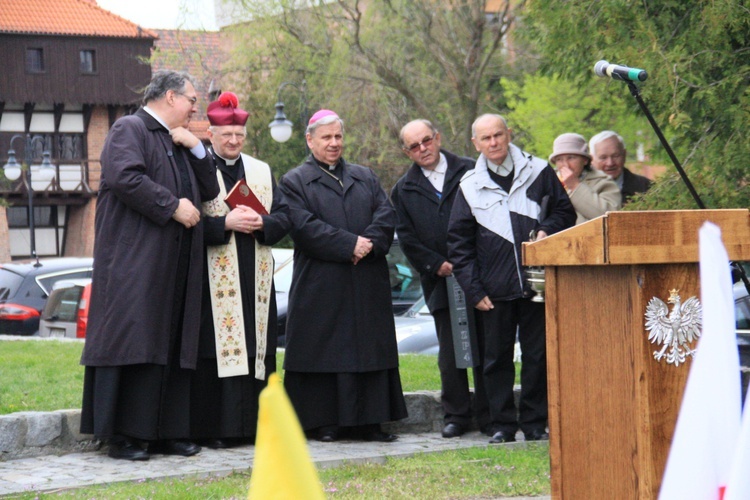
(136, 247)
(340, 317)
(423, 223)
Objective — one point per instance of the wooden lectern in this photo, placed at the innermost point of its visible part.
(612, 406)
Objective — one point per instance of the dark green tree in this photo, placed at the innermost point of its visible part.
(697, 57)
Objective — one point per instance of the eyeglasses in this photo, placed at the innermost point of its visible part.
(425, 142)
(192, 100)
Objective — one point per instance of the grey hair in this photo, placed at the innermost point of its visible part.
(427, 123)
(214, 128)
(163, 81)
(480, 117)
(326, 120)
(603, 136)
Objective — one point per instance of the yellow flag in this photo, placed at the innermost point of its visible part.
(282, 468)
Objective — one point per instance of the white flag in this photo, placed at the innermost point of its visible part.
(708, 425)
(738, 486)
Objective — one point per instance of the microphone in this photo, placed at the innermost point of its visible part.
(617, 72)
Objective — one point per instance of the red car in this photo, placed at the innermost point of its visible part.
(26, 285)
(66, 314)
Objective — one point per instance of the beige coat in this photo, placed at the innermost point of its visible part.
(595, 195)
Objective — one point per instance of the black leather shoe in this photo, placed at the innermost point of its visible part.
(536, 435)
(502, 437)
(127, 450)
(177, 447)
(328, 434)
(215, 444)
(487, 429)
(379, 436)
(452, 430)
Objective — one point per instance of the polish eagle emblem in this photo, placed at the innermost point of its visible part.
(675, 330)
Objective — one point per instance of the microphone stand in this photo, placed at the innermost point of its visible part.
(636, 92)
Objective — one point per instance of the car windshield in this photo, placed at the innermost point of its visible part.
(405, 285)
(9, 284)
(47, 281)
(63, 304)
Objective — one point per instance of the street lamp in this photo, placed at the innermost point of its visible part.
(280, 127)
(45, 173)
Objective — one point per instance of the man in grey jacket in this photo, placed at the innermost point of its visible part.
(507, 196)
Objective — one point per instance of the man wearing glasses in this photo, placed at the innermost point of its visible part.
(142, 339)
(423, 198)
(608, 155)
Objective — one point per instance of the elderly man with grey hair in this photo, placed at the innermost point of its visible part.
(142, 339)
(608, 154)
(423, 198)
(509, 196)
(341, 357)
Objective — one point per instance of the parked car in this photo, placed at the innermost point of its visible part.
(66, 313)
(282, 279)
(415, 330)
(742, 317)
(26, 285)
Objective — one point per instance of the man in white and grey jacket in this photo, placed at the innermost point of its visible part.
(509, 195)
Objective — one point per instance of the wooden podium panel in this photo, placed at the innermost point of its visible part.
(612, 406)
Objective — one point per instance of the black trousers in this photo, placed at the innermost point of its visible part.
(455, 395)
(500, 326)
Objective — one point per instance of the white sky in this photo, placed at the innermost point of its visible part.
(165, 14)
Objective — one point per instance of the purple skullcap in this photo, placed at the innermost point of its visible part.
(321, 114)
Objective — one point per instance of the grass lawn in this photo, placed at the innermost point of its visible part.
(486, 472)
(47, 376)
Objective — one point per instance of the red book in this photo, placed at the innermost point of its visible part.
(241, 194)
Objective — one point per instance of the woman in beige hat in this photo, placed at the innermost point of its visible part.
(592, 192)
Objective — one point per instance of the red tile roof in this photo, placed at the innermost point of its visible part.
(65, 17)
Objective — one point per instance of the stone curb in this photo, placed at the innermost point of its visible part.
(35, 433)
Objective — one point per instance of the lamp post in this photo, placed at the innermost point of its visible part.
(280, 127)
(45, 173)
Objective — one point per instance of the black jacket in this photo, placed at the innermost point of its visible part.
(632, 184)
(422, 226)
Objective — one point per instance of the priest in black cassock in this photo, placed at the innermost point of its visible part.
(341, 362)
(237, 348)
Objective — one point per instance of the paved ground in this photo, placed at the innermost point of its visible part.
(49, 473)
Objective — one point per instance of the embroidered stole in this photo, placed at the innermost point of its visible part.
(224, 282)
